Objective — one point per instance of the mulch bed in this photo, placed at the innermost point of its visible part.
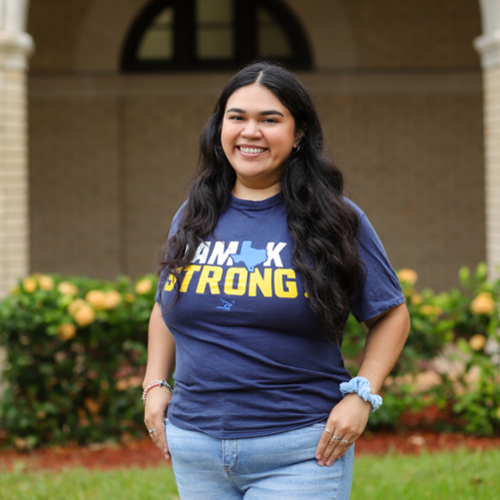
(143, 453)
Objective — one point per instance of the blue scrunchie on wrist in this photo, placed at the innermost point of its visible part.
(361, 386)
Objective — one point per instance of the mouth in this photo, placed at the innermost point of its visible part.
(251, 150)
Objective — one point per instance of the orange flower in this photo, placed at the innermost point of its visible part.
(477, 342)
(143, 286)
(29, 285)
(483, 304)
(431, 310)
(75, 305)
(97, 298)
(46, 282)
(112, 299)
(416, 299)
(92, 406)
(66, 331)
(67, 288)
(84, 315)
(408, 276)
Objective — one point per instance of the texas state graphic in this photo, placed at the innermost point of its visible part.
(251, 257)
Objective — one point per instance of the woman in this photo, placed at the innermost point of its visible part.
(264, 263)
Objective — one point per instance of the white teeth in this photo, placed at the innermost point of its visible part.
(252, 150)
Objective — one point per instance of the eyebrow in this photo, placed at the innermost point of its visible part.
(262, 113)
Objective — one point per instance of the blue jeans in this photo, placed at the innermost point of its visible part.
(277, 467)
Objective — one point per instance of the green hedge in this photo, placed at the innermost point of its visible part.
(461, 327)
(76, 352)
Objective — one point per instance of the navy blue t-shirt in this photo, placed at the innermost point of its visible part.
(251, 359)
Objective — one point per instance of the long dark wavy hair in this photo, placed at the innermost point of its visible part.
(322, 224)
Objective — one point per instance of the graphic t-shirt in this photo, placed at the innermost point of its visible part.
(251, 359)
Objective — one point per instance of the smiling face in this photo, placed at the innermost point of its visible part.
(258, 134)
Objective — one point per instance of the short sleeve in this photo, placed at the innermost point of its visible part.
(176, 221)
(380, 289)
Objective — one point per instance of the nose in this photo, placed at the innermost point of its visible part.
(251, 130)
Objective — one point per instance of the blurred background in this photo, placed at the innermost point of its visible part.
(102, 102)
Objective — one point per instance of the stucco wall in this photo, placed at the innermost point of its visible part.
(398, 88)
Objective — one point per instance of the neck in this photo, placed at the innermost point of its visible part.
(255, 194)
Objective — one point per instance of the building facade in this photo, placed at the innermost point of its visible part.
(408, 102)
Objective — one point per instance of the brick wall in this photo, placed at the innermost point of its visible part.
(111, 156)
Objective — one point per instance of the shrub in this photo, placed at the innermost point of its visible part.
(76, 349)
(465, 320)
(76, 352)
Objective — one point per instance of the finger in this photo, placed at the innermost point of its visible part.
(159, 438)
(329, 451)
(342, 445)
(326, 446)
(326, 435)
(156, 429)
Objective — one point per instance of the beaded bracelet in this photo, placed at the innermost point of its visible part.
(155, 383)
(361, 386)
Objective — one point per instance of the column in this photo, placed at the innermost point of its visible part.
(15, 47)
(488, 46)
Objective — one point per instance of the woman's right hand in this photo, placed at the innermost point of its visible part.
(154, 416)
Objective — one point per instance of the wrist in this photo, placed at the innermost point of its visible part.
(360, 401)
(153, 384)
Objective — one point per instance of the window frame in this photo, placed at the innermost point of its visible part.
(244, 39)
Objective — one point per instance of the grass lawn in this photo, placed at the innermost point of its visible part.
(460, 475)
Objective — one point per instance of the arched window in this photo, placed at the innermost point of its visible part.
(214, 35)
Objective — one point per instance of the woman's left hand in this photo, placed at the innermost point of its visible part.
(346, 422)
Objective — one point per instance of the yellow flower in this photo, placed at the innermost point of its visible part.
(75, 305)
(130, 297)
(143, 286)
(416, 299)
(112, 299)
(431, 310)
(84, 315)
(97, 298)
(477, 342)
(46, 283)
(29, 285)
(483, 304)
(408, 276)
(67, 288)
(66, 331)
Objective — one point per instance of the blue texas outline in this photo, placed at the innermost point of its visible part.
(251, 257)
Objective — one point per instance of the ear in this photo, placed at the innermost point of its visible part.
(299, 134)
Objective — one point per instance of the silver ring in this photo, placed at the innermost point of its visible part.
(151, 431)
(345, 441)
(336, 438)
(329, 432)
